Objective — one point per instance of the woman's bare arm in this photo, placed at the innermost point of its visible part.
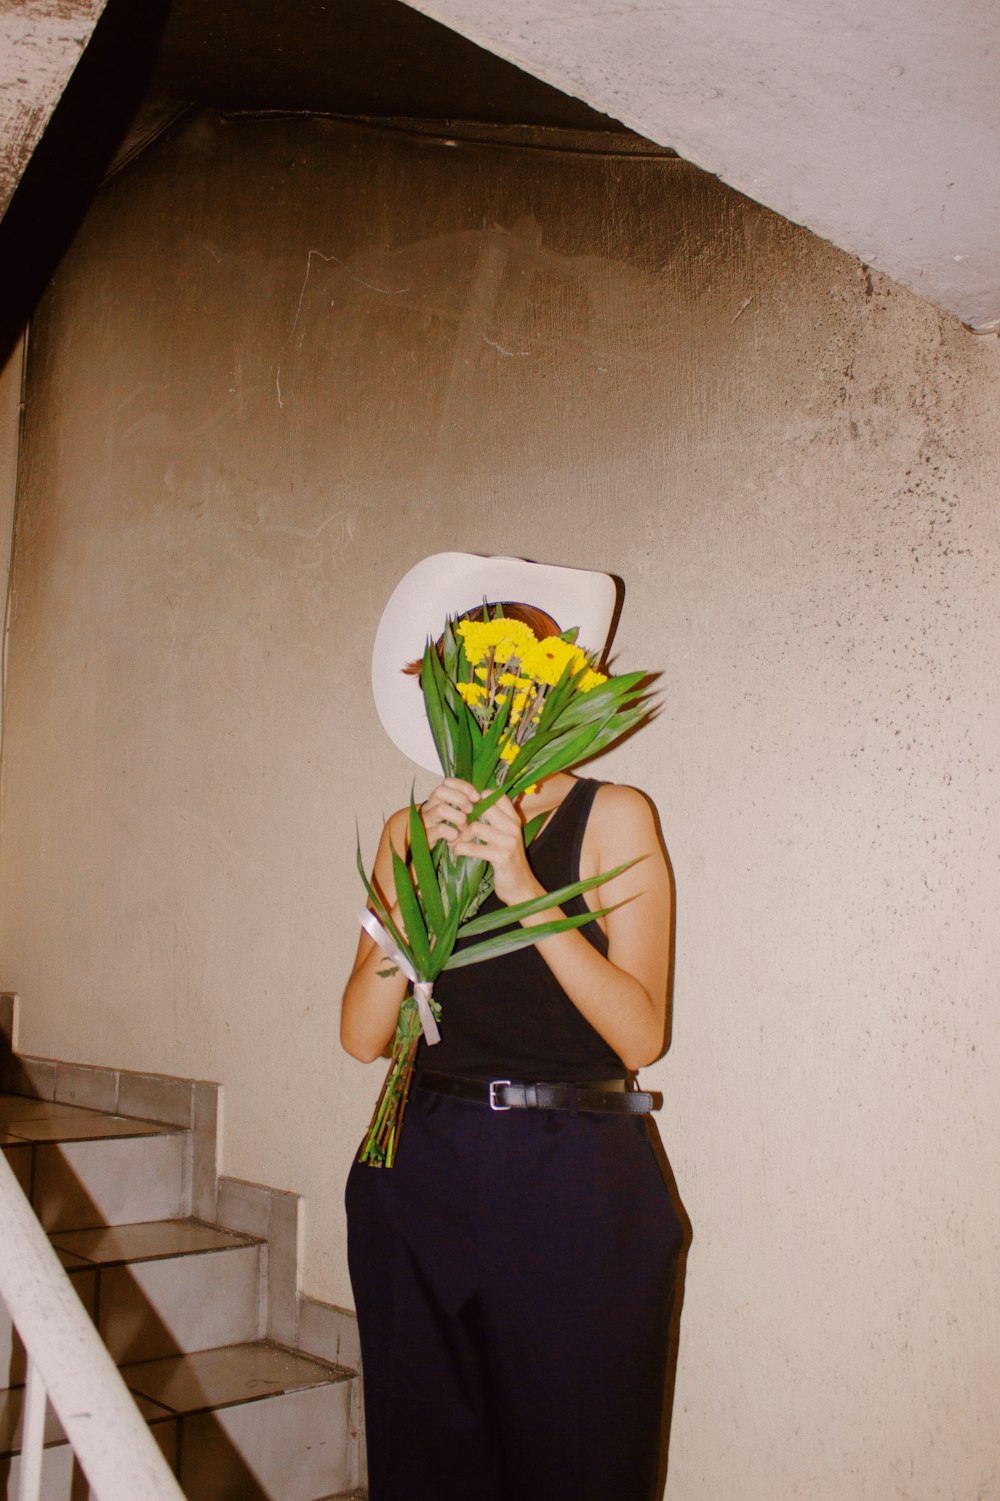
(372, 1000)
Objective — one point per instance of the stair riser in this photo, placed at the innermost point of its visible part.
(62, 1478)
(292, 1447)
(13, 1362)
(181, 1303)
(168, 1307)
(117, 1181)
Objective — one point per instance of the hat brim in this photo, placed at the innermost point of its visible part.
(450, 584)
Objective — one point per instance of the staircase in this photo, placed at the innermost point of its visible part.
(202, 1318)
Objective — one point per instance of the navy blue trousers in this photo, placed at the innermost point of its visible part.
(514, 1276)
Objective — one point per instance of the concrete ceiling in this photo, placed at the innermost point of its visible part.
(877, 126)
(41, 42)
(876, 123)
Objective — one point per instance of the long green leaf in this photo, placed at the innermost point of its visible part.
(438, 716)
(556, 697)
(576, 749)
(462, 731)
(534, 827)
(610, 695)
(423, 866)
(507, 915)
(520, 938)
(467, 732)
(382, 912)
(488, 753)
(619, 725)
(413, 918)
(449, 648)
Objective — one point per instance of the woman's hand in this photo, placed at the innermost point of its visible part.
(498, 837)
(445, 813)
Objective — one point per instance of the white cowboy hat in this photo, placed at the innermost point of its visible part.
(451, 583)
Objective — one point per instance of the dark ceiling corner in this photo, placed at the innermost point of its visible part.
(149, 61)
(87, 126)
(350, 57)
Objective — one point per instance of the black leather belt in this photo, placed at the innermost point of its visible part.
(511, 1094)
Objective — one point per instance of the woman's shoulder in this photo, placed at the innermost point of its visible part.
(621, 813)
(397, 826)
(395, 834)
(613, 798)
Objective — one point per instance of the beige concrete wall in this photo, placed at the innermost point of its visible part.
(282, 362)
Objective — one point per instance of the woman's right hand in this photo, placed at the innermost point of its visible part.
(445, 813)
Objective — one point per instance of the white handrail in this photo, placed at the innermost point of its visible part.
(69, 1360)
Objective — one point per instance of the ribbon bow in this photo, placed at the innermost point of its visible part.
(422, 989)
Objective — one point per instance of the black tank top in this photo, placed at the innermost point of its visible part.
(509, 1017)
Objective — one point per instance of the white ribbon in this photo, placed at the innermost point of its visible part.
(421, 988)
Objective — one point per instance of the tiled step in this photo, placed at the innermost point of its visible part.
(251, 1421)
(181, 1305)
(82, 1168)
(169, 1286)
(62, 1479)
(155, 1289)
(254, 1421)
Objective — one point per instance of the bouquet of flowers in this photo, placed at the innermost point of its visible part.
(506, 711)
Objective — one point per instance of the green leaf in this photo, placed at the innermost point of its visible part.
(423, 866)
(556, 697)
(520, 938)
(459, 725)
(611, 695)
(413, 918)
(507, 915)
(382, 913)
(534, 827)
(488, 753)
(572, 749)
(617, 726)
(467, 732)
(445, 947)
(449, 649)
(437, 713)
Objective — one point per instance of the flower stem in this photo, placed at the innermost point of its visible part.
(382, 1138)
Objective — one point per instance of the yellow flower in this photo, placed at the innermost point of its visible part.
(473, 693)
(546, 660)
(591, 679)
(510, 751)
(505, 638)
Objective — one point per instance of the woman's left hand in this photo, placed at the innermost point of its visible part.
(498, 837)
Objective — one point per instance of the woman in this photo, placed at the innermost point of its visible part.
(515, 1270)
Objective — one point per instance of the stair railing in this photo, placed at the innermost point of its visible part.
(69, 1364)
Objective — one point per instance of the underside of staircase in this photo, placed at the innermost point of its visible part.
(250, 1389)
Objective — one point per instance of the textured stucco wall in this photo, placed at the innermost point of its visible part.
(284, 360)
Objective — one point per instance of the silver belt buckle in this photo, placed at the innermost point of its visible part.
(496, 1084)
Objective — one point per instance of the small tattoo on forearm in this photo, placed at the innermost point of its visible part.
(388, 972)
